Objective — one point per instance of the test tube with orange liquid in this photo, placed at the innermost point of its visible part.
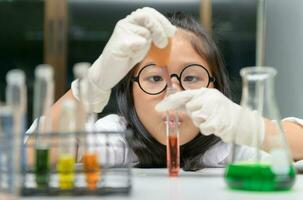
(161, 58)
(91, 162)
(91, 169)
(90, 159)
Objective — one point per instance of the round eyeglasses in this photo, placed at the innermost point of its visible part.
(151, 78)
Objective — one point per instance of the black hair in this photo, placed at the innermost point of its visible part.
(149, 151)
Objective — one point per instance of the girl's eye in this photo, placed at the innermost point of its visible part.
(154, 78)
(192, 79)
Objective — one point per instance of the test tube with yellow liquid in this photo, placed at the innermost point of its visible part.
(66, 158)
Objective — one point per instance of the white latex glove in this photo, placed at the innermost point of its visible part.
(127, 46)
(213, 113)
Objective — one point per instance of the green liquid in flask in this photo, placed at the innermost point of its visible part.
(42, 167)
(257, 177)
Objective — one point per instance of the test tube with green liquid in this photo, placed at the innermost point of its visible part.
(43, 99)
(42, 168)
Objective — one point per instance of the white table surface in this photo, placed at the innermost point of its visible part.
(204, 184)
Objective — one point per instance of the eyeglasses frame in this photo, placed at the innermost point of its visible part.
(211, 79)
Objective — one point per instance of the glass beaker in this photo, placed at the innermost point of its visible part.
(275, 172)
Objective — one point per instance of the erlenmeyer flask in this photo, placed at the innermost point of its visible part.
(275, 172)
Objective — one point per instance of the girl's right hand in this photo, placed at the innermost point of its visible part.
(128, 45)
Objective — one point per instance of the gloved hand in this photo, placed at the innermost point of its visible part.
(127, 46)
(214, 113)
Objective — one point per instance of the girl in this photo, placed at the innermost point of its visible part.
(195, 66)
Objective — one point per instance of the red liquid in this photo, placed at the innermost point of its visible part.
(173, 155)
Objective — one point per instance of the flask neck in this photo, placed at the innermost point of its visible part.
(258, 87)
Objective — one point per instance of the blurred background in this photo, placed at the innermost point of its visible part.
(64, 32)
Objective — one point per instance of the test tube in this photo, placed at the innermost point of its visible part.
(66, 160)
(91, 168)
(90, 156)
(16, 98)
(172, 133)
(43, 99)
(172, 141)
(6, 151)
(161, 58)
(80, 70)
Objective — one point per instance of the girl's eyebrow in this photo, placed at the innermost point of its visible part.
(148, 63)
(180, 67)
(191, 63)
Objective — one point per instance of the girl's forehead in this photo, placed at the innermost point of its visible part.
(182, 54)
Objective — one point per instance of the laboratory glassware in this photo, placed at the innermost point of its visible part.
(269, 171)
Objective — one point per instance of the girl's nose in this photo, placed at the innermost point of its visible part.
(176, 84)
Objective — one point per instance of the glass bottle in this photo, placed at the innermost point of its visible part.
(275, 170)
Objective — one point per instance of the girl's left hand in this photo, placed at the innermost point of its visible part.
(214, 113)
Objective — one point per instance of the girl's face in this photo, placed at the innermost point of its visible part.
(182, 54)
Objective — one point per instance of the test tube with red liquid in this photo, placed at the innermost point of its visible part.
(172, 144)
(161, 58)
